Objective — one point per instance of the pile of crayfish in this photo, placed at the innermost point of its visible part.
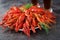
(27, 17)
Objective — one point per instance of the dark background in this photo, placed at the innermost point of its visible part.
(54, 33)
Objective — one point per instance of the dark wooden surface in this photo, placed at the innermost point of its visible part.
(54, 33)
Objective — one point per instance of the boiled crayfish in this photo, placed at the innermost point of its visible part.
(27, 17)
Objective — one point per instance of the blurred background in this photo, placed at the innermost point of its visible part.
(54, 33)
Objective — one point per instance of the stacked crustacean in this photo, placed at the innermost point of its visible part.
(27, 17)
